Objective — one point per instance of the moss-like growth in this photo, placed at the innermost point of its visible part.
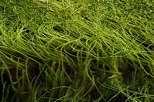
(76, 50)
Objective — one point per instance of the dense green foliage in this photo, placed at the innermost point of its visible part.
(77, 50)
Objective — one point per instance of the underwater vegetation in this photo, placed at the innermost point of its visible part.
(76, 50)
